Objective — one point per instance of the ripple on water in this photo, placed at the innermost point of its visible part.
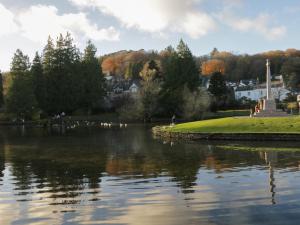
(128, 178)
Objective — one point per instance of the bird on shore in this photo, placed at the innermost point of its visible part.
(123, 125)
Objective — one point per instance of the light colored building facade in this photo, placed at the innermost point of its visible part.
(133, 88)
(279, 91)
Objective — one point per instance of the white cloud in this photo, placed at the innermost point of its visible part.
(29, 28)
(197, 24)
(39, 21)
(155, 15)
(261, 24)
(7, 23)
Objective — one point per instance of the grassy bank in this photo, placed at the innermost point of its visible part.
(241, 125)
(226, 113)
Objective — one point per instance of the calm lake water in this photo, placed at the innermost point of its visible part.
(124, 176)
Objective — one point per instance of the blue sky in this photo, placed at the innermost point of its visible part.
(239, 26)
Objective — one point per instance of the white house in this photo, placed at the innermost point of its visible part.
(109, 78)
(133, 88)
(258, 92)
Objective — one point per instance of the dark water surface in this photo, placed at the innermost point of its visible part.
(124, 176)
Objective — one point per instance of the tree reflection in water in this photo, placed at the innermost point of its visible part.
(108, 174)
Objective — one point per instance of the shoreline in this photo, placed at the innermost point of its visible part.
(162, 133)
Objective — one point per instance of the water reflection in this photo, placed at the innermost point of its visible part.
(115, 176)
(271, 159)
(2, 159)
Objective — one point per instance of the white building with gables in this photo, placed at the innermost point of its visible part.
(257, 92)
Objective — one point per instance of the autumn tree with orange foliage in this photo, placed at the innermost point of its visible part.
(109, 65)
(121, 62)
(212, 66)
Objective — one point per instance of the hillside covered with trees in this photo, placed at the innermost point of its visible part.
(63, 79)
(234, 67)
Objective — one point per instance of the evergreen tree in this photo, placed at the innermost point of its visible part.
(218, 88)
(48, 56)
(20, 98)
(171, 91)
(20, 64)
(188, 68)
(183, 50)
(48, 70)
(63, 76)
(217, 85)
(214, 52)
(1, 91)
(180, 70)
(152, 65)
(93, 78)
(90, 52)
(39, 82)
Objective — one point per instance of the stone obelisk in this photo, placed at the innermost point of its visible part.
(268, 81)
(269, 102)
(269, 106)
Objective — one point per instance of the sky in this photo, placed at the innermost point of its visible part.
(238, 26)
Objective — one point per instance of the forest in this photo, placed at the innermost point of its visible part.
(234, 67)
(63, 79)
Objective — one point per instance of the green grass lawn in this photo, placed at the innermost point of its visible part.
(227, 113)
(242, 125)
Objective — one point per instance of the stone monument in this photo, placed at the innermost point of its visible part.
(269, 102)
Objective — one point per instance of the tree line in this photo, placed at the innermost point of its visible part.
(234, 67)
(240, 67)
(63, 79)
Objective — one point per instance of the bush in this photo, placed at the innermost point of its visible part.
(195, 103)
(131, 110)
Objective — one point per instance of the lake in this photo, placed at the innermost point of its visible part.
(124, 176)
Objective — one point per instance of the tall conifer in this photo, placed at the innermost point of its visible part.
(92, 78)
(20, 98)
(39, 81)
